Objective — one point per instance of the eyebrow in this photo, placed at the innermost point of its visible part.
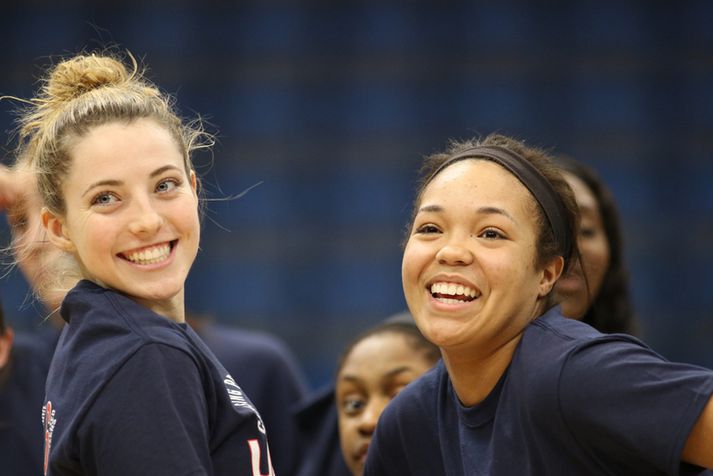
(481, 211)
(115, 183)
(397, 371)
(390, 373)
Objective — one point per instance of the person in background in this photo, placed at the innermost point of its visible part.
(131, 388)
(335, 436)
(374, 368)
(596, 290)
(522, 389)
(24, 362)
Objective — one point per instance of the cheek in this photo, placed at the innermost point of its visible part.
(92, 238)
(347, 432)
(187, 217)
(406, 268)
(414, 259)
(595, 255)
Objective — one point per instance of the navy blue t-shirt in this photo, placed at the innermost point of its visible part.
(22, 388)
(269, 374)
(131, 392)
(572, 401)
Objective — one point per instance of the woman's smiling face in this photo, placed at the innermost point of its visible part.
(131, 213)
(468, 271)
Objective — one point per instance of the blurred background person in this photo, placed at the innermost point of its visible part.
(596, 290)
(339, 421)
(23, 368)
(24, 361)
(374, 368)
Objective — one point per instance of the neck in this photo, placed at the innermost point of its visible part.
(172, 309)
(474, 375)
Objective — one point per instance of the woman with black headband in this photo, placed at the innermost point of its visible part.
(521, 389)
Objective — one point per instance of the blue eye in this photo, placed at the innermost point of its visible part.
(167, 185)
(104, 198)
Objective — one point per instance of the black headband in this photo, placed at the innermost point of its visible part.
(536, 183)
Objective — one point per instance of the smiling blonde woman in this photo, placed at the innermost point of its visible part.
(131, 389)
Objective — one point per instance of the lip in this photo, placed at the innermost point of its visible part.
(360, 454)
(173, 244)
(449, 278)
(451, 306)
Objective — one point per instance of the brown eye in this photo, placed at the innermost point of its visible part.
(587, 232)
(353, 405)
(491, 234)
(427, 229)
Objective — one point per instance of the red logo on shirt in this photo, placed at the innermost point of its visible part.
(48, 420)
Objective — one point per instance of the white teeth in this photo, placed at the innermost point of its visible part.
(152, 255)
(452, 289)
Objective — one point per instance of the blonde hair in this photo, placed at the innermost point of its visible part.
(86, 91)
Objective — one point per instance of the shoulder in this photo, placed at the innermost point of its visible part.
(408, 431)
(104, 322)
(557, 355)
(163, 372)
(156, 364)
(418, 399)
(552, 341)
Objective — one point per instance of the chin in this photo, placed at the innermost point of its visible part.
(573, 311)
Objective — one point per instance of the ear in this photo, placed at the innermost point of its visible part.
(195, 184)
(5, 346)
(56, 231)
(550, 275)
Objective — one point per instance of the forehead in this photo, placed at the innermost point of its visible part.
(115, 144)
(377, 352)
(475, 180)
(582, 193)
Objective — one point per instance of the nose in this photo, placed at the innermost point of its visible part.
(146, 220)
(454, 254)
(370, 416)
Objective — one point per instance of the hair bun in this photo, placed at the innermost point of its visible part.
(76, 76)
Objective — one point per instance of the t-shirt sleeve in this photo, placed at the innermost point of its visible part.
(150, 418)
(621, 399)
